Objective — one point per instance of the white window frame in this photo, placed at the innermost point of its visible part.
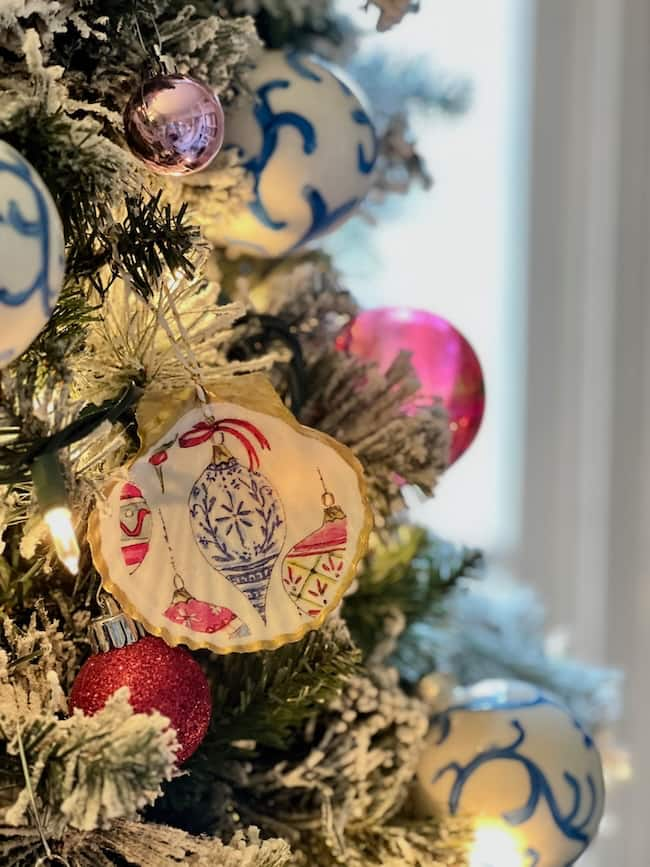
(586, 504)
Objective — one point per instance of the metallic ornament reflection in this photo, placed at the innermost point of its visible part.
(174, 124)
(445, 363)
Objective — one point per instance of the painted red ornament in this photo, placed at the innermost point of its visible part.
(159, 677)
(135, 526)
(444, 361)
(174, 124)
(312, 569)
(204, 617)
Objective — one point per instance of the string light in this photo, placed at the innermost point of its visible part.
(49, 486)
(495, 845)
(59, 522)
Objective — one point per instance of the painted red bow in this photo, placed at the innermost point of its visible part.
(203, 431)
(158, 459)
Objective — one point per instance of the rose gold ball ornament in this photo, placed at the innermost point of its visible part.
(174, 124)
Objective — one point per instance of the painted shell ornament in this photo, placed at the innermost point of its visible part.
(248, 548)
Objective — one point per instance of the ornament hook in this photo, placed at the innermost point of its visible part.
(328, 499)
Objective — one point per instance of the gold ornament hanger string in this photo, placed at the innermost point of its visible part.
(187, 359)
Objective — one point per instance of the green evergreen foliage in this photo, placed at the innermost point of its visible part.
(268, 696)
(409, 574)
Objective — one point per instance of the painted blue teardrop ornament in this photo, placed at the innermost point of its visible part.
(31, 254)
(310, 145)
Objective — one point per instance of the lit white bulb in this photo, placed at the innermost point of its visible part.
(59, 522)
(495, 846)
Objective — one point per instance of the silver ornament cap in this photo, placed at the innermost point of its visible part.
(113, 629)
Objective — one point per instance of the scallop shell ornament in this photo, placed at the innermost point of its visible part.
(234, 486)
(310, 146)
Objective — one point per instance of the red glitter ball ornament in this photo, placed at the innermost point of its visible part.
(443, 360)
(159, 677)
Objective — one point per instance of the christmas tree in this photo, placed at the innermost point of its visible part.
(223, 643)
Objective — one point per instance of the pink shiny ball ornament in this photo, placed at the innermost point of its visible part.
(174, 124)
(159, 677)
(443, 360)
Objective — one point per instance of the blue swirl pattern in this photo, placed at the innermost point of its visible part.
(38, 229)
(366, 163)
(573, 823)
(324, 214)
(270, 124)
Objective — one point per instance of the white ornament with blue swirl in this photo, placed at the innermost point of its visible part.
(31, 254)
(510, 755)
(311, 147)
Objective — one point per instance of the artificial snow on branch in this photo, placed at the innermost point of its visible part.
(78, 772)
(300, 12)
(177, 337)
(355, 403)
(351, 785)
(493, 631)
(143, 845)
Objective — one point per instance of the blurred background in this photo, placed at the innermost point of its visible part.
(534, 243)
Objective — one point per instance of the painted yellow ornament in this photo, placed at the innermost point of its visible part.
(252, 525)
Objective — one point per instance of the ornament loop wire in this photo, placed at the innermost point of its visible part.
(328, 499)
(154, 61)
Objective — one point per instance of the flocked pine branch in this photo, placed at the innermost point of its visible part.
(350, 781)
(410, 843)
(300, 12)
(180, 334)
(268, 696)
(81, 772)
(499, 631)
(353, 402)
(143, 845)
(404, 579)
(88, 771)
(95, 47)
